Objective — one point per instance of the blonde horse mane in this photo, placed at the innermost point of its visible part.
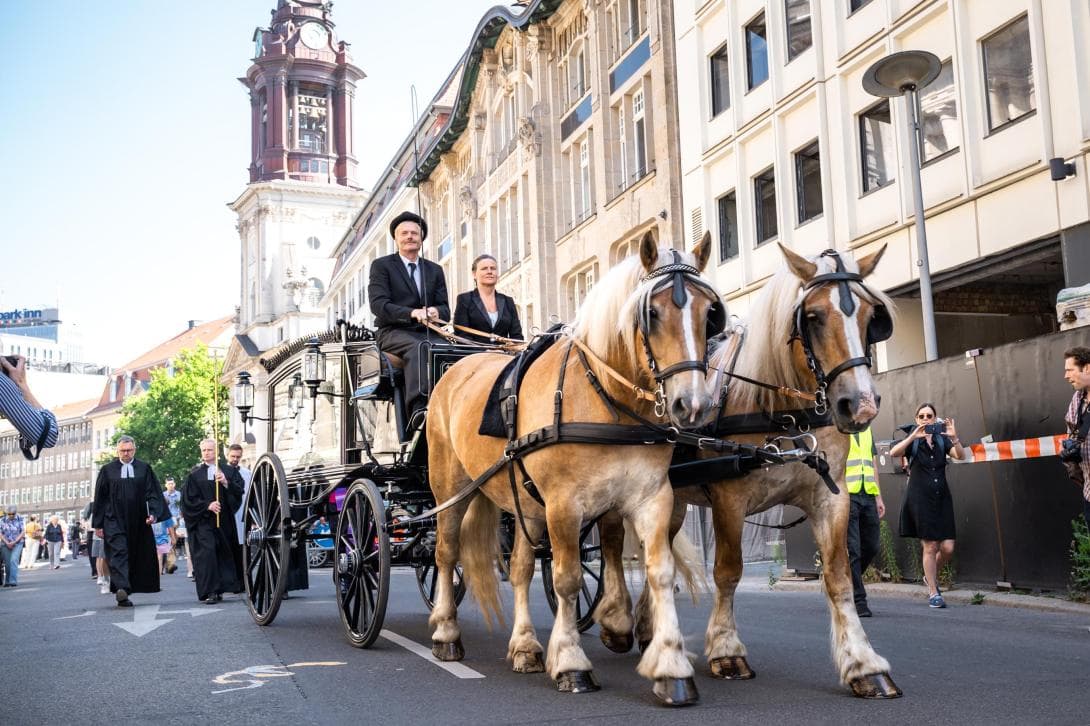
(765, 354)
(605, 322)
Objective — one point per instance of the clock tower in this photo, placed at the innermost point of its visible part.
(303, 189)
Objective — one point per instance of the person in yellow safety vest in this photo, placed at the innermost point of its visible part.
(867, 508)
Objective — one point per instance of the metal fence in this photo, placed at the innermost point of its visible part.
(1013, 517)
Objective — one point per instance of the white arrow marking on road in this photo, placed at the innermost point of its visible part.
(84, 614)
(455, 669)
(143, 618)
(252, 676)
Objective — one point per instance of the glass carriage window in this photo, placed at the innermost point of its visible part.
(313, 120)
(939, 115)
(1008, 74)
(799, 34)
(808, 182)
(720, 79)
(764, 197)
(757, 51)
(876, 146)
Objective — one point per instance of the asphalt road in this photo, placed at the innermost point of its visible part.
(178, 661)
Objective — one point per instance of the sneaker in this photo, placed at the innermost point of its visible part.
(104, 589)
(936, 601)
(99, 580)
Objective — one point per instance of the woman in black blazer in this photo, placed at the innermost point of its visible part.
(484, 309)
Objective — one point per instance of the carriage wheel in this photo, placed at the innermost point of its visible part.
(426, 581)
(361, 572)
(590, 559)
(265, 520)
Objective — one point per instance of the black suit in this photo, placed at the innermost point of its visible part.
(393, 296)
(469, 312)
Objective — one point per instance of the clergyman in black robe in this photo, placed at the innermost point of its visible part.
(128, 499)
(210, 490)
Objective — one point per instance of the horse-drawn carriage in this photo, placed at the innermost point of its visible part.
(344, 451)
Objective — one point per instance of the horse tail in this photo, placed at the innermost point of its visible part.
(480, 545)
(689, 565)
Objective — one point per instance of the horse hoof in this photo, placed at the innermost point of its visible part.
(875, 685)
(577, 682)
(528, 663)
(676, 691)
(448, 651)
(732, 668)
(617, 642)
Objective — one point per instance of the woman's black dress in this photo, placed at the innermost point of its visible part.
(928, 509)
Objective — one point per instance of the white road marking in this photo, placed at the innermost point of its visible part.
(252, 676)
(455, 669)
(84, 614)
(144, 618)
(28, 589)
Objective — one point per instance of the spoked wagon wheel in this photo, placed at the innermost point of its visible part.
(593, 566)
(426, 580)
(361, 575)
(268, 539)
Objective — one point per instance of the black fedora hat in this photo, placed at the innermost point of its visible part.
(409, 217)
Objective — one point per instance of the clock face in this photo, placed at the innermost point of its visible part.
(313, 35)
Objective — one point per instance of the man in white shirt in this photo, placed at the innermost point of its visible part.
(234, 457)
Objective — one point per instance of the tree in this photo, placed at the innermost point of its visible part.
(171, 418)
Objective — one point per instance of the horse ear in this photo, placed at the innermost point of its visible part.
(803, 268)
(649, 251)
(703, 250)
(868, 263)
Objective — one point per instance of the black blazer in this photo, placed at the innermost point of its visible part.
(470, 313)
(393, 296)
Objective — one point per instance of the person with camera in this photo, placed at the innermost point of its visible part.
(37, 427)
(928, 509)
(1076, 449)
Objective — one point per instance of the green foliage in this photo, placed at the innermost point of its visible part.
(947, 575)
(169, 420)
(1080, 557)
(977, 599)
(777, 553)
(888, 551)
(773, 578)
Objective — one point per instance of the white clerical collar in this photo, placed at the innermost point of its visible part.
(211, 471)
(126, 470)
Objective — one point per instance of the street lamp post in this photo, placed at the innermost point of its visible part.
(904, 74)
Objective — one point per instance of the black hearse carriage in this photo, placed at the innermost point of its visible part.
(342, 447)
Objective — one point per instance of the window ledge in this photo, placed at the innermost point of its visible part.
(888, 184)
(944, 155)
(1007, 124)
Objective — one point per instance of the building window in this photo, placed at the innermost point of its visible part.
(639, 134)
(579, 284)
(720, 77)
(939, 115)
(313, 243)
(764, 197)
(799, 35)
(728, 227)
(313, 120)
(622, 143)
(876, 146)
(584, 177)
(1008, 74)
(757, 51)
(808, 182)
(854, 5)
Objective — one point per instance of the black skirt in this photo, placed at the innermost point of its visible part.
(928, 509)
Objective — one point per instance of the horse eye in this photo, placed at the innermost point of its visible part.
(815, 318)
(652, 312)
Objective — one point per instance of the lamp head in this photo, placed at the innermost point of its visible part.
(900, 72)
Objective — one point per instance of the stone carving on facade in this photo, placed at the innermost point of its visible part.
(529, 136)
(468, 200)
(479, 121)
(488, 62)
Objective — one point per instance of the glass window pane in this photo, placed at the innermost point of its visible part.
(1008, 73)
(799, 35)
(939, 115)
(764, 193)
(854, 5)
(757, 51)
(876, 146)
(720, 82)
(728, 227)
(808, 182)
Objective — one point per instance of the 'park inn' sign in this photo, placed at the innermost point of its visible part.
(19, 318)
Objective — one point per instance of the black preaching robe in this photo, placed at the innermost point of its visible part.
(211, 546)
(121, 508)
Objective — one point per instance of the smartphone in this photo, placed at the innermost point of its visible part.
(939, 427)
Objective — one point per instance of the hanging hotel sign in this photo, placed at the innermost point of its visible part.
(27, 317)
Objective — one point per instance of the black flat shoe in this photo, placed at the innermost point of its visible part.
(126, 603)
(863, 611)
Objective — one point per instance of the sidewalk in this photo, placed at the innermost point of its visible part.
(962, 594)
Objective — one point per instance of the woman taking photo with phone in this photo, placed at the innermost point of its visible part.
(928, 510)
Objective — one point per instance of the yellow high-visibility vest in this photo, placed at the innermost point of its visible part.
(859, 469)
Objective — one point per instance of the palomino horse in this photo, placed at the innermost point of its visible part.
(647, 320)
(811, 329)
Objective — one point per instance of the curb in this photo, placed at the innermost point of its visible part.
(959, 597)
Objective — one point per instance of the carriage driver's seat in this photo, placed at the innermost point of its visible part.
(382, 378)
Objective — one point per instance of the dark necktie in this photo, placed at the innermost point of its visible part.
(412, 276)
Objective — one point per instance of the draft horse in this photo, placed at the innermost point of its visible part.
(811, 329)
(643, 328)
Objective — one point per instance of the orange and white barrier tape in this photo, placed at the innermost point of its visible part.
(1018, 449)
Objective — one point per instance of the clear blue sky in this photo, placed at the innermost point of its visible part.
(125, 133)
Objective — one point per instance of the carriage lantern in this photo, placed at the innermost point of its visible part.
(244, 395)
(313, 366)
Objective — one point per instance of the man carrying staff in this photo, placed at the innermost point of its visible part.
(128, 499)
(210, 497)
(405, 291)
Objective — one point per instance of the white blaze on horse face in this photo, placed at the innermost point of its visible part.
(866, 408)
(688, 326)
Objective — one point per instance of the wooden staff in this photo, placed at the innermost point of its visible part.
(215, 428)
